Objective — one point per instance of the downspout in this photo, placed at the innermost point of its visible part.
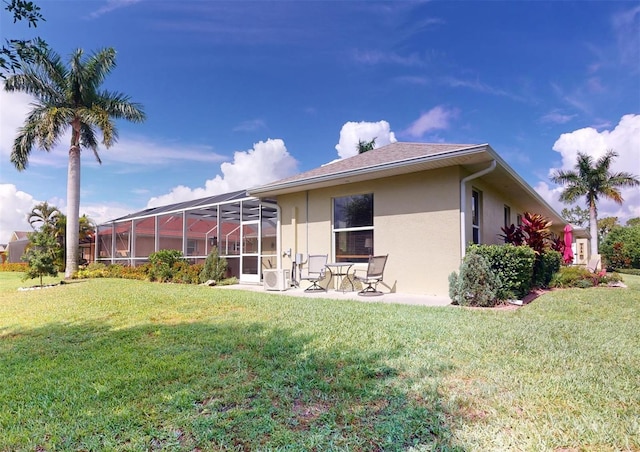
(307, 221)
(278, 238)
(463, 204)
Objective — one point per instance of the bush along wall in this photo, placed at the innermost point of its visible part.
(546, 265)
(514, 266)
(476, 285)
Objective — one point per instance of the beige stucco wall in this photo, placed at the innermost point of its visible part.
(492, 210)
(416, 222)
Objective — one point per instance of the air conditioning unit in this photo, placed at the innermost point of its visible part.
(276, 279)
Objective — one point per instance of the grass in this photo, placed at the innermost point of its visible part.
(112, 364)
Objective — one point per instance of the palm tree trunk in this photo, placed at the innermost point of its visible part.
(593, 228)
(73, 211)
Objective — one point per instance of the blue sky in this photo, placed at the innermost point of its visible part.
(241, 93)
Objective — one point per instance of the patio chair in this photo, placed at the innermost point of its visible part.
(375, 271)
(314, 272)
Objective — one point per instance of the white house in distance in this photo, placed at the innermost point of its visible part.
(421, 204)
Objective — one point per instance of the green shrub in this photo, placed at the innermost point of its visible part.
(13, 267)
(215, 267)
(621, 247)
(628, 271)
(476, 285)
(162, 263)
(512, 264)
(576, 276)
(546, 265)
(186, 274)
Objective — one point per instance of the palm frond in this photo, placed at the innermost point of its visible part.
(119, 106)
(99, 65)
(88, 140)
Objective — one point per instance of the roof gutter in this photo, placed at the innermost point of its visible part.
(463, 203)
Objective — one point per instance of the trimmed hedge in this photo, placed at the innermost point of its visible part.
(514, 266)
(546, 265)
(14, 267)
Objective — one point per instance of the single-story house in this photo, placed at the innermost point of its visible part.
(421, 204)
(17, 245)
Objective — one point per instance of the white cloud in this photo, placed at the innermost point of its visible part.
(478, 86)
(623, 139)
(557, 117)
(626, 25)
(16, 205)
(250, 126)
(353, 132)
(15, 107)
(112, 5)
(267, 161)
(129, 151)
(437, 118)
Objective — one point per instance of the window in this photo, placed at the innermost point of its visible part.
(507, 216)
(475, 215)
(353, 228)
(518, 220)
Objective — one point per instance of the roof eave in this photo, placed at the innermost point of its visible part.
(325, 180)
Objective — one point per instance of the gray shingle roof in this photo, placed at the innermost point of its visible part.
(392, 153)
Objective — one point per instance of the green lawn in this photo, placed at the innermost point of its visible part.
(129, 365)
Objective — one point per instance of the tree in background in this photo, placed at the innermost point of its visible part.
(576, 216)
(69, 97)
(593, 180)
(621, 247)
(86, 231)
(365, 146)
(44, 216)
(633, 221)
(15, 51)
(605, 226)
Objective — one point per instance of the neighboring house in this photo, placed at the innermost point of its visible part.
(17, 244)
(3, 252)
(421, 204)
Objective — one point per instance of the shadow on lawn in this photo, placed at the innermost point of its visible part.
(204, 386)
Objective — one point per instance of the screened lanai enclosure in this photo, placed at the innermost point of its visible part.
(244, 230)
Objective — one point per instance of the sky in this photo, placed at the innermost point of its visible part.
(238, 94)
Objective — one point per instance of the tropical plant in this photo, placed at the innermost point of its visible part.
(593, 180)
(365, 146)
(69, 97)
(512, 235)
(534, 232)
(43, 216)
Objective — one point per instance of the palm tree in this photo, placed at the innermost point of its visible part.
(69, 97)
(365, 146)
(593, 180)
(43, 216)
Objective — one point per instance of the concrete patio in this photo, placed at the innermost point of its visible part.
(397, 298)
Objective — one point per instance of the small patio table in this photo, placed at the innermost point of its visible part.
(340, 270)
